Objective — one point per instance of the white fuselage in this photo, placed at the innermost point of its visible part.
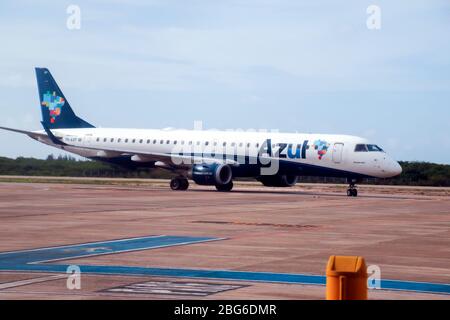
(322, 151)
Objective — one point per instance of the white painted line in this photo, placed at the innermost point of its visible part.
(20, 283)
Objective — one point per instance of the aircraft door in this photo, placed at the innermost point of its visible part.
(87, 139)
(338, 149)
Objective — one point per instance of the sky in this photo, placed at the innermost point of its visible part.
(292, 66)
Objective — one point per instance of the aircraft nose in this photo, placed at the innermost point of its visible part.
(396, 168)
(391, 168)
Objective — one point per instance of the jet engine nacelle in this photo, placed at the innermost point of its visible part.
(278, 180)
(212, 174)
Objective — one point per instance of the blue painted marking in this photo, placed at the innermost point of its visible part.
(32, 261)
(41, 255)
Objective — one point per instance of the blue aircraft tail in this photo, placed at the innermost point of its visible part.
(56, 110)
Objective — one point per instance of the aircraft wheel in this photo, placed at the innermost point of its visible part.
(184, 184)
(179, 183)
(225, 187)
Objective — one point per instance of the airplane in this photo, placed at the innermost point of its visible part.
(207, 157)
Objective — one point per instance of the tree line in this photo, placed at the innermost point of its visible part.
(68, 166)
(414, 173)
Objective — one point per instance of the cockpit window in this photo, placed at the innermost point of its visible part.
(368, 148)
(374, 148)
(361, 148)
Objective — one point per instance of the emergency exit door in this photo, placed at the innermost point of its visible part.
(338, 149)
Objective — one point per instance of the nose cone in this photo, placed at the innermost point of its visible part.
(390, 168)
(396, 168)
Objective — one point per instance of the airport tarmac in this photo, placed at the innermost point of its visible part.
(144, 241)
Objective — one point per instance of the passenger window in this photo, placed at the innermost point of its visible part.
(206, 143)
(112, 139)
(154, 141)
(140, 141)
(98, 139)
(175, 142)
(224, 144)
(118, 140)
(168, 141)
(104, 140)
(126, 140)
(161, 142)
(257, 145)
(361, 148)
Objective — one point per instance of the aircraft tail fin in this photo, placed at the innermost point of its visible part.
(56, 110)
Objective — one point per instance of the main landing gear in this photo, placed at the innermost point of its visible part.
(352, 191)
(225, 187)
(179, 183)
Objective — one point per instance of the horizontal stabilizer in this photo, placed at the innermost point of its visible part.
(28, 133)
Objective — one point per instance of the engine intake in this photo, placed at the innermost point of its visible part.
(212, 174)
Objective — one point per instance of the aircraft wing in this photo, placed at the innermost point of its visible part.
(183, 160)
(165, 160)
(173, 161)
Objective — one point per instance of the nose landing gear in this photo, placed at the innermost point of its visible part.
(352, 191)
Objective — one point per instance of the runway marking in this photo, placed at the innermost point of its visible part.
(58, 253)
(20, 283)
(79, 244)
(36, 260)
(280, 225)
(199, 289)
